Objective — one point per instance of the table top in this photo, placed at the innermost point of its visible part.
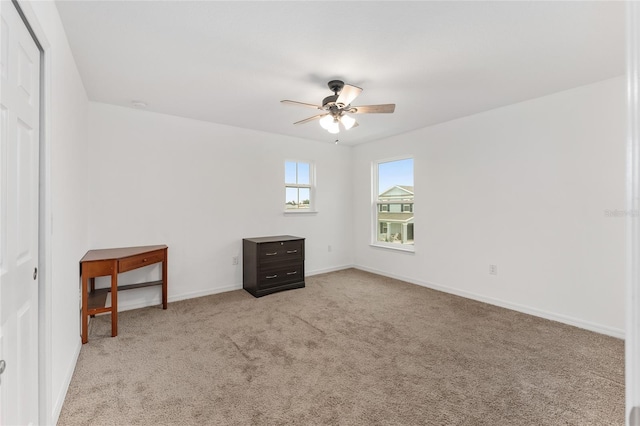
(273, 239)
(118, 253)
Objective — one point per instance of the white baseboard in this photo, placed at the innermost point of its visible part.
(127, 305)
(327, 270)
(207, 292)
(576, 322)
(124, 305)
(587, 325)
(58, 402)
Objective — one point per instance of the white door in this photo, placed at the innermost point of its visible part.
(19, 149)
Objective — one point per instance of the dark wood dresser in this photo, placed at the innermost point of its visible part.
(271, 264)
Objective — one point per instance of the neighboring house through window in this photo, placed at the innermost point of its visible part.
(299, 186)
(394, 225)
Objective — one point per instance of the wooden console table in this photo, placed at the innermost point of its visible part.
(100, 263)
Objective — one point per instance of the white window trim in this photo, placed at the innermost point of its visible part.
(312, 188)
(394, 247)
(299, 211)
(407, 248)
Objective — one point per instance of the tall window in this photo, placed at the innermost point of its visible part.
(298, 183)
(393, 204)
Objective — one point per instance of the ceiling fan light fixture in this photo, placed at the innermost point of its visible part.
(334, 127)
(326, 121)
(347, 121)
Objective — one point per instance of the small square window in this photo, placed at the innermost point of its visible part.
(298, 183)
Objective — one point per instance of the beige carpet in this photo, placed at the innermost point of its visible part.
(352, 348)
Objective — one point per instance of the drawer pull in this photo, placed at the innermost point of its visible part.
(144, 260)
(292, 251)
(271, 254)
(292, 273)
(271, 276)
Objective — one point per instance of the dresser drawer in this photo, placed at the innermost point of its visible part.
(274, 277)
(139, 261)
(280, 251)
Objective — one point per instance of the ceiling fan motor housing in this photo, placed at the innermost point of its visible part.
(336, 86)
(329, 103)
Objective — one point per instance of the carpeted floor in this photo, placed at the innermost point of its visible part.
(352, 348)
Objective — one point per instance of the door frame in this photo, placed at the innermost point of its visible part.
(632, 325)
(45, 402)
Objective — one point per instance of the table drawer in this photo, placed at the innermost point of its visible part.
(141, 260)
(279, 251)
(98, 268)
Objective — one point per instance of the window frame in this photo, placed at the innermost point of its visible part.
(311, 186)
(375, 206)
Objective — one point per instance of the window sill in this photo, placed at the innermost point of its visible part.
(300, 212)
(396, 247)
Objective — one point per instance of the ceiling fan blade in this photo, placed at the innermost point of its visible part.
(304, 104)
(306, 120)
(348, 94)
(373, 109)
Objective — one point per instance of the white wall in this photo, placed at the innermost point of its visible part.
(200, 188)
(65, 220)
(525, 187)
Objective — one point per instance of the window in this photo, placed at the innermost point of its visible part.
(393, 204)
(298, 183)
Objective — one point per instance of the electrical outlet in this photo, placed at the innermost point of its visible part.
(493, 269)
(234, 260)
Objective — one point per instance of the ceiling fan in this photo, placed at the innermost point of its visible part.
(338, 106)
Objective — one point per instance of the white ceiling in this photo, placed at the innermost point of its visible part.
(232, 62)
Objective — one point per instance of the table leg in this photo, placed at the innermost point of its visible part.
(114, 301)
(92, 287)
(164, 279)
(85, 311)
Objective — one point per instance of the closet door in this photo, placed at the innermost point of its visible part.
(19, 149)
